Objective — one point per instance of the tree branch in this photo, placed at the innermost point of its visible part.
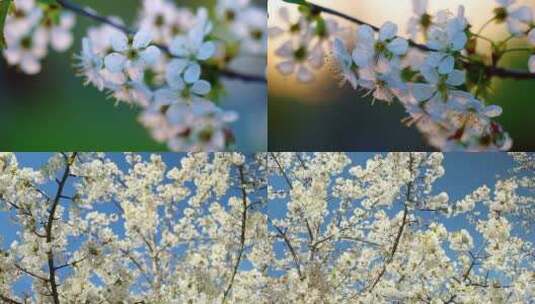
(9, 300)
(242, 235)
(30, 273)
(390, 259)
(491, 71)
(91, 14)
(51, 218)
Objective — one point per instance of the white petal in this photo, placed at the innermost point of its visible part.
(115, 62)
(206, 50)
(30, 65)
(516, 27)
(119, 41)
(458, 41)
(61, 39)
(447, 65)
(192, 73)
(531, 36)
(142, 39)
(456, 78)
(419, 7)
(492, 111)
(201, 87)
(422, 92)
(531, 64)
(164, 97)
(285, 50)
(523, 14)
(304, 74)
(286, 67)
(150, 55)
(430, 74)
(388, 31)
(178, 46)
(365, 35)
(362, 57)
(398, 46)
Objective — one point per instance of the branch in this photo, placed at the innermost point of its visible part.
(292, 251)
(51, 217)
(242, 235)
(74, 263)
(9, 300)
(30, 273)
(491, 71)
(91, 14)
(401, 227)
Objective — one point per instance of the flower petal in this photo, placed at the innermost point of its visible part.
(201, 87)
(142, 39)
(115, 62)
(119, 41)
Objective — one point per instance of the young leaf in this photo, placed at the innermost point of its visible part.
(4, 8)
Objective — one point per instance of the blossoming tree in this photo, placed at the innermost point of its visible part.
(437, 71)
(171, 64)
(380, 233)
(91, 232)
(266, 228)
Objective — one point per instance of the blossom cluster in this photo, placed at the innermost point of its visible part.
(31, 28)
(382, 234)
(136, 229)
(161, 68)
(171, 66)
(438, 76)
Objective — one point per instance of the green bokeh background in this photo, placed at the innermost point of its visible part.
(54, 111)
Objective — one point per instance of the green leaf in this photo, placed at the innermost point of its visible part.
(301, 2)
(4, 9)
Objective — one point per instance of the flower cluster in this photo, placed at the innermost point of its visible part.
(438, 77)
(333, 227)
(31, 28)
(379, 233)
(161, 68)
(134, 230)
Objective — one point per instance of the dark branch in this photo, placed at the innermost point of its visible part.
(51, 218)
(91, 14)
(242, 235)
(9, 300)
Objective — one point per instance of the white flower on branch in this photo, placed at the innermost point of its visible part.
(440, 81)
(517, 18)
(131, 53)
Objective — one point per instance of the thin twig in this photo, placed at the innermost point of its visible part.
(91, 14)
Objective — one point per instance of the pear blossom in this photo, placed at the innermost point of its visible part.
(421, 20)
(388, 46)
(299, 59)
(27, 51)
(517, 18)
(131, 54)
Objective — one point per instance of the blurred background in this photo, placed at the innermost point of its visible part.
(54, 111)
(321, 116)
